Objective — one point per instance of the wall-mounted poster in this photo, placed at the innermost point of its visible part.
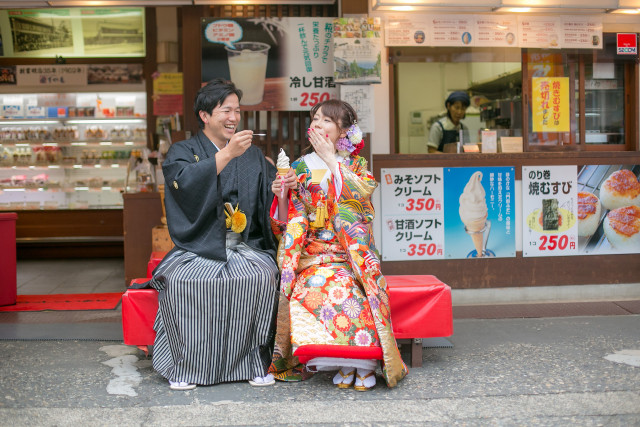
(113, 32)
(8, 75)
(436, 213)
(608, 209)
(479, 212)
(41, 32)
(357, 50)
(167, 94)
(281, 64)
(549, 211)
(581, 210)
(550, 104)
(74, 32)
(412, 214)
(360, 97)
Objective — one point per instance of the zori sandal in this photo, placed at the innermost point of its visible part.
(344, 380)
(180, 385)
(263, 381)
(360, 384)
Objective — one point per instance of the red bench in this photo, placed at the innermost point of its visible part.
(420, 308)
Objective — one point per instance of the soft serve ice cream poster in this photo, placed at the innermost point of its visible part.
(479, 212)
(549, 211)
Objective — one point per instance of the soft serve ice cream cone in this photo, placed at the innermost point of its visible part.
(473, 211)
(283, 168)
(282, 163)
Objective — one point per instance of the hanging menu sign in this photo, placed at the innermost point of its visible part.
(496, 30)
(540, 31)
(543, 32)
(453, 30)
(581, 32)
(407, 31)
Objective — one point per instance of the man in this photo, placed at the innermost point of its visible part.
(218, 286)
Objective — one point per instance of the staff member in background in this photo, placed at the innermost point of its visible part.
(447, 129)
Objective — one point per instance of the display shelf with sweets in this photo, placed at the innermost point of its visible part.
(69, 151)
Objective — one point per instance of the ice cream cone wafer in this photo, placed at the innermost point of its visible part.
(474, 228)
(477, 239)
(283, 171)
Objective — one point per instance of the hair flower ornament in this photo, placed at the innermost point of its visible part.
(353, 143)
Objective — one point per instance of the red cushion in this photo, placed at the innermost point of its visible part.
(420, 306)
(308, 352)
(139, 308)
(154, 260)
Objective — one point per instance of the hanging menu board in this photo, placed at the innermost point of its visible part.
(496, 30)
(452, 30)
(407, 31)
(582, 32)
(540, 31)
(543, 32)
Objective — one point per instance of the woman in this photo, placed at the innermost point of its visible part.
(334, 308)
(447, 129)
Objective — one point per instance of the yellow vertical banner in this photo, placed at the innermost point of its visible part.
(550, 104)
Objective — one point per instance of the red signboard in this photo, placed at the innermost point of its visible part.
(627, 44)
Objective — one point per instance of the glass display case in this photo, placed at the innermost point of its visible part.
(69, 150)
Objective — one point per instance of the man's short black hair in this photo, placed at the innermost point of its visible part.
(212, 95)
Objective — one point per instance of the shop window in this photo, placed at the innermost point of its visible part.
(424, 77)
(568, 99)
(580, 100)
(604, 106)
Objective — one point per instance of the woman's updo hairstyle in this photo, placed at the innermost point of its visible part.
(339, 111)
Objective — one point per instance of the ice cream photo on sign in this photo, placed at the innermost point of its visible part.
(473, 213)
(283, 167)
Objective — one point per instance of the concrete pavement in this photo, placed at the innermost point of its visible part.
(548, 372)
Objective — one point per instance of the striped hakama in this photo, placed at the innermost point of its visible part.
(216, 319)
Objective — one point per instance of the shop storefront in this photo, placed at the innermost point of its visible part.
(551, 113)
(550, 123)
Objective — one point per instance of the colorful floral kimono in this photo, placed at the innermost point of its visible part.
(333, 298)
